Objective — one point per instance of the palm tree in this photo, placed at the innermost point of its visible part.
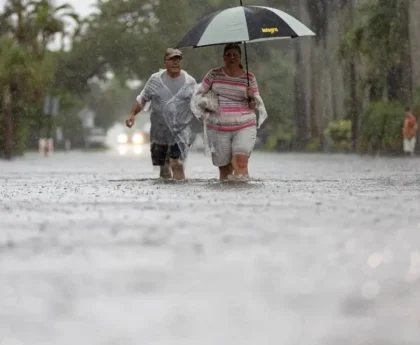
(381, 39)
(49, 20)
(38, 21)
(26, 29)
(15, 75)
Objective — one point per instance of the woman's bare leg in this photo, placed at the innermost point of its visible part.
(240, 165)
(225, 171)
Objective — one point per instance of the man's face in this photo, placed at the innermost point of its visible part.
(173, 64)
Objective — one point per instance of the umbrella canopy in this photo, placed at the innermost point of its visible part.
(244, 24)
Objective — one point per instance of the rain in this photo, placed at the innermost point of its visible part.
(319, 245)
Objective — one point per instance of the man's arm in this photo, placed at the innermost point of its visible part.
(137, 107)
(141, 99)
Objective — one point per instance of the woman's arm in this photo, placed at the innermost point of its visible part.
(207, 82)
(252, 91)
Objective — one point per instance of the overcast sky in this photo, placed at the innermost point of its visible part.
(83, 7)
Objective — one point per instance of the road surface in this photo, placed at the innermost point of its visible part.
(315, 250)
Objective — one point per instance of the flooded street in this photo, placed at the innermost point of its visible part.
(315, 250)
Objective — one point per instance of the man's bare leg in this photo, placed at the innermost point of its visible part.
(166, 171)
(177, 167)
(225, 171)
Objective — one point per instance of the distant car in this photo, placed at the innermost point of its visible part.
(95, 137)
(135, 137)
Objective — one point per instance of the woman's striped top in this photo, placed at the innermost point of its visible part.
(235, 112)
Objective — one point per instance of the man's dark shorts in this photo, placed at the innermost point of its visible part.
(162, 153)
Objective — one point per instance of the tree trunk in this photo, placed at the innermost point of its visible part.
(353, 82)
(394, 87)
(354, 111)
(414, 43)
(7, 122)
(315, 94)
(406, 78)
(406, 64)
(300, 102)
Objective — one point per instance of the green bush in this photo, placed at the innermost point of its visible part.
(339, 132)
(314, 145)
(280, 140)
(381, 128)
(20, 131)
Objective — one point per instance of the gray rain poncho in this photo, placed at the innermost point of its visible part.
(171, 116)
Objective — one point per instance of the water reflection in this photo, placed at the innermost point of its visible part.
(122, 149)
(138, 149)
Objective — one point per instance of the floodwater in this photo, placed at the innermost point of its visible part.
(314, 250)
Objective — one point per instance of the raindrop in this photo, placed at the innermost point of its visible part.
(350, 246)
(388, 257)
(370, 290)
(412, 276)
(415, 258)
(11, 341)
(375, 260)
(413, 273)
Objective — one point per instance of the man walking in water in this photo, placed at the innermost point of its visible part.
(169, 92)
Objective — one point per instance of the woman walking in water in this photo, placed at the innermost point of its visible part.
(232, 131)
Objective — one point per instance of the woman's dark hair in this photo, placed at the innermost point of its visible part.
(230, 46)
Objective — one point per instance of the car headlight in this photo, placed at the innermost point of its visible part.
(138, 139)
(123, 138)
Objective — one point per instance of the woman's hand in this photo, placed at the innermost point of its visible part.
(251, 97)
(250, 93)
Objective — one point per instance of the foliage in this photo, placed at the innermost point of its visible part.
(381, 128)
(17, 74)
(126, 38)
(314, 145)
(339, 132)
(380, 38)
(27, 68)
(280, 140)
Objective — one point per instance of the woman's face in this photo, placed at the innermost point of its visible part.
(232, 58)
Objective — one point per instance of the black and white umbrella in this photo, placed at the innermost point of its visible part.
(243, 24)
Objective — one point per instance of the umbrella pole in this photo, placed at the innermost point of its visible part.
(246, 62)
(246, 55)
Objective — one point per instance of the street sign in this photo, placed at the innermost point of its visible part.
(51, 105)
(88, 118)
